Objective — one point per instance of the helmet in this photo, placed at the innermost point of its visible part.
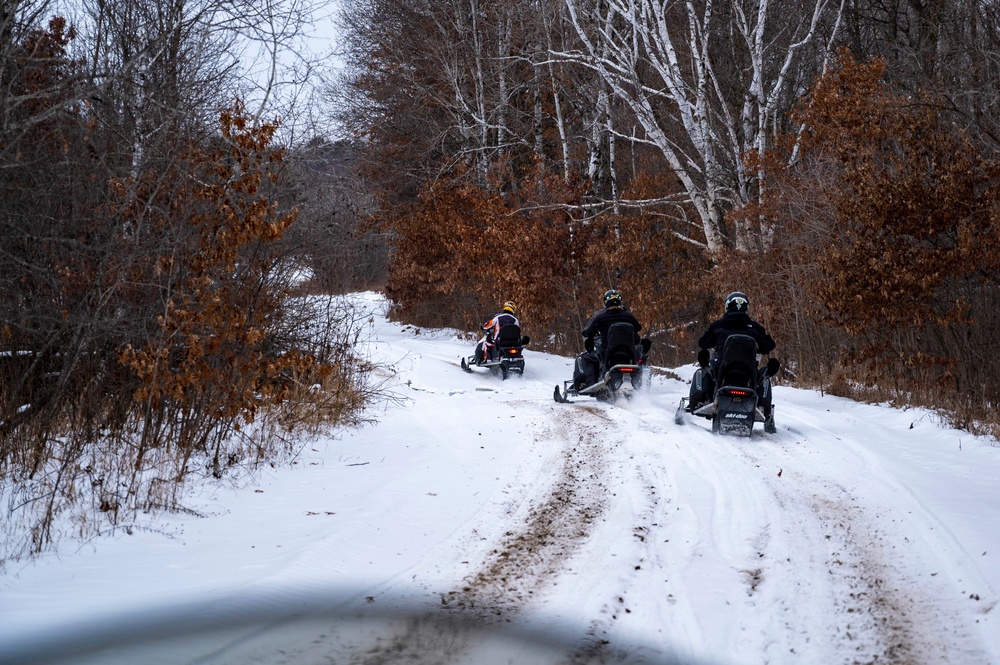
(612, 298)
(737, 302)
(510, 307)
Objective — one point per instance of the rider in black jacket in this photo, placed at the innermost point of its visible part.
(736, 320)
(588, 363)
(614, 312)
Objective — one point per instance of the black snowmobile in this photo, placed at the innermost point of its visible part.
(740, 388)
(604, 376)
(505, 354)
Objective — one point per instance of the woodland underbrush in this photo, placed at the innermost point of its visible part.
(150, 334)
(105, 462)
(973, 413)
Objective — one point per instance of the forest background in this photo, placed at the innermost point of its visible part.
(171, 169)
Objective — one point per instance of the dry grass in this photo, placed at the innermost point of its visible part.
(96, 460)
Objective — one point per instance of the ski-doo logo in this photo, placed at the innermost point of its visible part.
(738, 416)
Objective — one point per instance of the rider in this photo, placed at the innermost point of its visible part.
(614, 312)
(484, 350)
(736, 320)
(589, 362)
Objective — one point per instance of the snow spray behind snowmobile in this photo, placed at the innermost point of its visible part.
(502, 355)
(606, 374)
(741, 387)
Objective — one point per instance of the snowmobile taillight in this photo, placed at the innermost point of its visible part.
(740, 393)
(627, 370)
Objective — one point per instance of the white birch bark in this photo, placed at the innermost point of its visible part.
(612, 165)
(656, 56)
(557, 101)
(480, 87)
(537, 113)
(503, 57)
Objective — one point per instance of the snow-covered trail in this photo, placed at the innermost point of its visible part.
(796, 547)
(855, 534)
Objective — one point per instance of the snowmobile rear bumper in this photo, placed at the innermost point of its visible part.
(608, 387)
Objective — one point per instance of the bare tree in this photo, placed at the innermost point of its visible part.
(434, 85)
(708, 83)
(38, 81)
(167, 66)
(140, 205)
(332, 238)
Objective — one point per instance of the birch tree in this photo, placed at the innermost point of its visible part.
(708, 82)
(434, 84)
(167, 65)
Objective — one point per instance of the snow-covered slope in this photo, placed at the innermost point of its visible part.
(856, 534)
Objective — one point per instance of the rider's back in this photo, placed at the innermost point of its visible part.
(733, 323)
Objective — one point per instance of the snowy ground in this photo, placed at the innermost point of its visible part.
(856, 534)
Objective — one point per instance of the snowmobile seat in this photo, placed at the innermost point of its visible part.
(738, 365)
(509, 337)
(619, 347)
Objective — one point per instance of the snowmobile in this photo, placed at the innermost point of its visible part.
(740, 386)
(605, 375)
(504, 353)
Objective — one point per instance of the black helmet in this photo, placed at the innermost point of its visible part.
(737, 302)
(612, 298)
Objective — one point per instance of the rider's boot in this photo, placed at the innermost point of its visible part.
(769, 425)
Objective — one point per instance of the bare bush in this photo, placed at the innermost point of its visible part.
(146, 328)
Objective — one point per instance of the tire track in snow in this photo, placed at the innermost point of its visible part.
(746, 523)
(883, 616)
(758, 527)
(531, 553)
(637, 571)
